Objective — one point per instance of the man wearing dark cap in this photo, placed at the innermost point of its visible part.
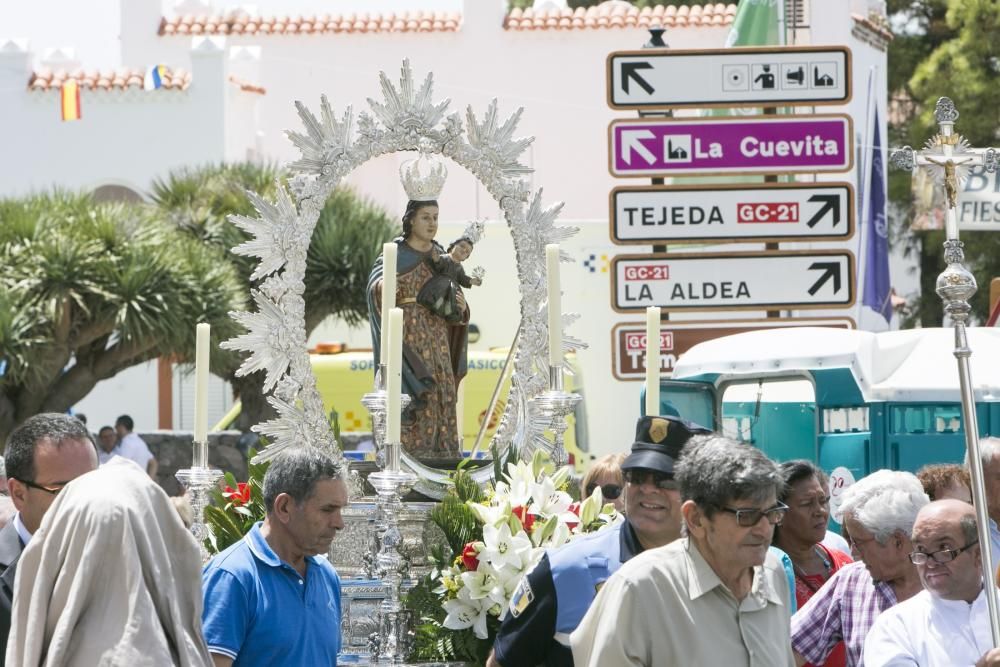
(552, 599)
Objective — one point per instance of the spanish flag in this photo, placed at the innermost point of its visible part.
(154, 77)
(70, 100)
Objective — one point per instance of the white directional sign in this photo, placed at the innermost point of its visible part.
(737, 212)
(770, 76)
(734, 281)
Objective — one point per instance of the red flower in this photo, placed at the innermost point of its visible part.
(469, 557)
(575, 509)
(241, 496)
(527, 520)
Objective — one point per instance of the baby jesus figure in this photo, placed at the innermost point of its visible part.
(441, 293)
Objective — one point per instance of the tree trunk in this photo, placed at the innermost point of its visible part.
(256, 409)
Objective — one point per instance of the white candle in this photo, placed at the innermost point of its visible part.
(394, 381)
(653, 360)
(555, 305)
(388, 295)
(951, 224)
(201, 394)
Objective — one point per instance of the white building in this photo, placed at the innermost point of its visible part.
(234, 72)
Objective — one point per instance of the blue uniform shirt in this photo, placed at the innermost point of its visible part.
(260, 611)
(529, 637)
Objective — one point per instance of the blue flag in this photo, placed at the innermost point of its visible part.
(877, 285)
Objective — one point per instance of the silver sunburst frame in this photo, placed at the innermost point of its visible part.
(407, 120)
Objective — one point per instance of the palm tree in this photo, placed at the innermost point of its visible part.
(89, 289)
(346, 241)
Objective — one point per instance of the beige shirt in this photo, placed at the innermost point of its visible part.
(667, 607)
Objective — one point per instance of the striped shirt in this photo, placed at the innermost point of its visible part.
(844, 609)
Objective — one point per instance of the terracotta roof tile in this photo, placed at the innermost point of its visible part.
(362, 22)
(44, 78)
(620, 14)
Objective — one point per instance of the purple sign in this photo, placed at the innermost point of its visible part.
(761, 144)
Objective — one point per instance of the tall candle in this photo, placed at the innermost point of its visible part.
(951, 224)
(555, 304)
(393, 385)
(653, 360)
(201, 395)
(388, 295)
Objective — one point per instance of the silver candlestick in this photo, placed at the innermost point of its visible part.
(199, 480)
(375, 402)
(557, 404)
(393, 644)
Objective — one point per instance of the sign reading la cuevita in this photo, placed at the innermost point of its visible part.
(736, 212)
(771, 76)
(734, 281)
(742, 144)
(628, 339)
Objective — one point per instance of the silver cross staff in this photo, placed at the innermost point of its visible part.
(948, 156)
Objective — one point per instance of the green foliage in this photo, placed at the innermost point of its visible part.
(228, 517)
(89, 289)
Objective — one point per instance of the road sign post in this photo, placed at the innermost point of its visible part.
(745, 145)
(787, 279)
(759, 212)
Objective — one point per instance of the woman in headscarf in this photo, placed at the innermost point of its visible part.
(111, 578)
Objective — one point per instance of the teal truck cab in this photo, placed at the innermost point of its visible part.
(841, 398)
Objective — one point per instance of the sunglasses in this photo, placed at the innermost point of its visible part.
(749, 517)
(53, 489)
(609, 491)
(638, 477)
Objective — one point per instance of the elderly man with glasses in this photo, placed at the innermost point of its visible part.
(716, 597)
(879, 512)
(948, 622)
(550, 601)
(43, 455)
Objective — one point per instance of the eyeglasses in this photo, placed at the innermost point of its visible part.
(638, 477)
(54, 489)
(749, 517)
(608, 491)
(943, 556)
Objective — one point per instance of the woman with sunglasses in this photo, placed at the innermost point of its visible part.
(801, 535)
(606, 473)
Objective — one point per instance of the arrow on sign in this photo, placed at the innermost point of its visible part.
(830, 203)
(631, 71)
(631, 142)
(830, 270)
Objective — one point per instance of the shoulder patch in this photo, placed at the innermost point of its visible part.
(522, 598)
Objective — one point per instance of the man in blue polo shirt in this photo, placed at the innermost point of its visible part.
(273, 598)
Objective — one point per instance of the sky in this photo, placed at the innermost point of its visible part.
(92, 27)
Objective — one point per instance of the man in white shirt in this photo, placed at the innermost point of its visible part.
(131, 446)
(948, 622)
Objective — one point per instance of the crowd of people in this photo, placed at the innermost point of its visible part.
(722, 557)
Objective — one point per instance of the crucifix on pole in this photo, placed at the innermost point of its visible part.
(947, 157)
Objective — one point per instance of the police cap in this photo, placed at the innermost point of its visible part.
(658, 442)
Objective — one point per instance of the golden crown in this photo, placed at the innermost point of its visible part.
(423, 178)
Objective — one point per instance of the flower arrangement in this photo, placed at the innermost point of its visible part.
(496, 537)
(236, 508)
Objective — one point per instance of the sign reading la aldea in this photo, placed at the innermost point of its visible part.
(734, 281)
(750, 144)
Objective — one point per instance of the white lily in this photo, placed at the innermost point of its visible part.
(520, 478)
(550, 502)
(493, 514)
(504, 549)
(463, 612)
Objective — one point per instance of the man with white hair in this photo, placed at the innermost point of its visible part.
(989, 451)
(879, 512)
